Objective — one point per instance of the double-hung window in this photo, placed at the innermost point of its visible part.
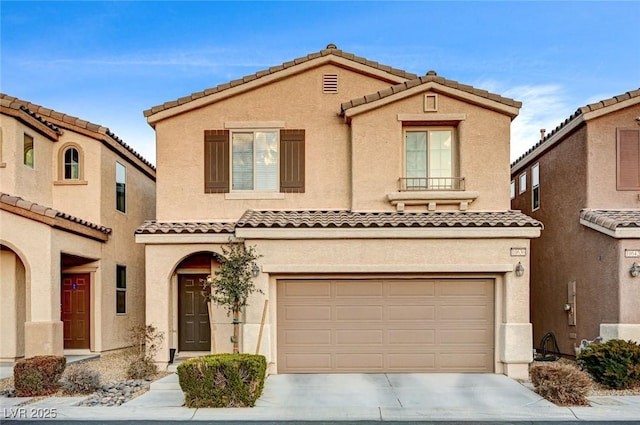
(254, 161)
(535, 187)
(523, 182)
(430, 159)
(121, 187)
(71, 164)
(28, 151)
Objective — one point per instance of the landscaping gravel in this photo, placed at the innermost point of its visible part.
(116, 388)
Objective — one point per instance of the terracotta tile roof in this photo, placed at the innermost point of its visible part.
(351, 219)
(612, 219)
(153, 227)
(430, 77)
(580, 111)
(46, 116)
(330, 50)
(18, 202)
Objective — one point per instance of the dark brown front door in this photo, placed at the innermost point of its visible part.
(193, 315)
(76, 304)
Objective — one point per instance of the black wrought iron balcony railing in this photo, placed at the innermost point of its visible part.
(408, 184)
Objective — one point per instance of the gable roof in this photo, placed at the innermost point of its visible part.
(614, 223)
(53, 218)
(581, 115)
(57, 121)
(393, 75)
(431, 80)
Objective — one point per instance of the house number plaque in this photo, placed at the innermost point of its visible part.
(518, 252)
(632, 253)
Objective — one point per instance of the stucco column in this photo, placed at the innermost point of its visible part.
(157, 299)
(516, 331)
(43, 329)
(12, 285)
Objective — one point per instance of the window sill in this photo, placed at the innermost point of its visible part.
(432, 198)
(253, 195)
(70, 182)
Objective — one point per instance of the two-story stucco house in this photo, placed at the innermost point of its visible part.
(379, 201)
(71, 197)
(582, 180)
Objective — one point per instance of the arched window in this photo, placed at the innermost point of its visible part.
(71, 164)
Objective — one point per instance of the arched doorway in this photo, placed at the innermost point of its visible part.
(194, 331)
(13, 284)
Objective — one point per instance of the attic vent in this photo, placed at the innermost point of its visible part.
(430, 102)
(330, 83)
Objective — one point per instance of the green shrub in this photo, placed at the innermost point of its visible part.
(615, 363)
(38, 375)
(223, 380)
(142, 368)
(560, 383)
(81, 380)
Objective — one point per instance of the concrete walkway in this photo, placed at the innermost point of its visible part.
(356, 397)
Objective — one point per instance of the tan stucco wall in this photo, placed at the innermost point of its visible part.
(489, 258)
(378, 144)
(601, 189)
(300, 103)
(12, 304)
(92, 200)
(580, 172)
(18, 179)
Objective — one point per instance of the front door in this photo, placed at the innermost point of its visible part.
(193, 315)
(75, 310)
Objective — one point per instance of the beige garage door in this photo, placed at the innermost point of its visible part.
(385, 325)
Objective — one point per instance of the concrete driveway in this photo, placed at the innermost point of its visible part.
(407, 390)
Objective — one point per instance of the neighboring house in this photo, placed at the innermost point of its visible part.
(71, 196)
(379, 201)
(582, 181)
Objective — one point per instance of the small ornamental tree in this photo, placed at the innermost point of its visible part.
(232, 284)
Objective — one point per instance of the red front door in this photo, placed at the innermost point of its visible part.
(76, 302)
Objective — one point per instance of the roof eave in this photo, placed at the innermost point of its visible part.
(511, 111)
(241, 86)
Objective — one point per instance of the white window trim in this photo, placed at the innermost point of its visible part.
(454, 151)
(534, 186)
(252, 193)
(115, 186)
(522, 188)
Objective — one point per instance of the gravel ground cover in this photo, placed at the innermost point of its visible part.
(115, 387)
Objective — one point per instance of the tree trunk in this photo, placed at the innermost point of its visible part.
(236, 331)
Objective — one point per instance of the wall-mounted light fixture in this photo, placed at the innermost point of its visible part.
(519, 269)
(255, 271)
(635, 270)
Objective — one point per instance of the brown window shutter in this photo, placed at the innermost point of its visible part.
(628, 159)
(216, 161)
(292, 161)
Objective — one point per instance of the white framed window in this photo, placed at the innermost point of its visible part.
(255, 160)
(29, 155)
(523, 182)
(513, 189)
(535, 187)
(71, 164)
(121, 187)
(430, 156)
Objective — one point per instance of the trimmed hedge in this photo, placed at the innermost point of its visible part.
(223, 380)
(560, 383)
(615, 363)
(38, 375)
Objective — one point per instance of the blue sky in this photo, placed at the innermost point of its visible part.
(106, 62)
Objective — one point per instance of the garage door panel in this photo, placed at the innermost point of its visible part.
(307, 337)
(396, 325)
(411, 313)
(359, 312)
(408, 362)
(411, 337)
(365, 288)
(359, 337)
(359, 361)
(308, 313)
(418, 288)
